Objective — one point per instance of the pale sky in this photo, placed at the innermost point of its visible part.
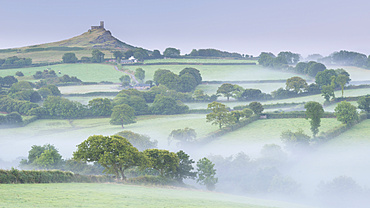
(247, 27)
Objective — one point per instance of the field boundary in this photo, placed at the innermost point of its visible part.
(213, 135)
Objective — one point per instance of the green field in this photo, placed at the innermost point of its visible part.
(119, 195)
(85, 72)
(81, 89)
(66, 134)
(264, 87)
(85, 99)
(223, 72)
(216, 61)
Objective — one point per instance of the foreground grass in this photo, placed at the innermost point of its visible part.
(117, 195)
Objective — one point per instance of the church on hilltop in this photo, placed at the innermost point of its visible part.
(98, 27)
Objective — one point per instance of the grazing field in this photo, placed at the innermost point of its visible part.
(85, 99)
(264, 87)
(223, 73)
(52, 56)
(252, 137)
(66, 134)
(85, 72)
(216, 61)
(118, 195)
(81, 89)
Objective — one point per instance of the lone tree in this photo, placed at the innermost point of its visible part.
(227, 90)
(206, 173)
(114, 153)
(295, 141)
(256, 107)
(125, 80)
(327, 92)
(297, 84)
(342, 80)
(97, 56)
(346, 113)
(184, 136)
(69, 58)
(122, 114)
(141, 142)
(314, 111)
(220, 115)
(43, 157)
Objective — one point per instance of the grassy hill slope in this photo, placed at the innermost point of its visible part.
(116, 195)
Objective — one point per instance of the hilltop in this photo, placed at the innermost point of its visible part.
(95, 38)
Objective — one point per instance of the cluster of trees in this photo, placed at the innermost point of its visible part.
(282, 60)
(222, 116)
(264, 175)
(330, 79)
(187, 80)
(15, 62)
(13, 118)
(347, 58)
(7, 81)
(117, 155)
(96, 57)
(214, 53)
(232, 90)
(138, 53)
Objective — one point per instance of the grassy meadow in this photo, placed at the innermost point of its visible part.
(81, 89)
(119, 195)
(85, 72)
(222, 72)
(200, 61)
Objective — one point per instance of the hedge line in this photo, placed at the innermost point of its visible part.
(48, 176)
(228, 129)
(294, 114)
(29, 120)
(332, 133)
(91, 94)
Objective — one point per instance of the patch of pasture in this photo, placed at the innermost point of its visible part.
(251, 138)
(216, 61)
(85, 99)
(264, 87)
(120, 195)
(66, 134)
(81, 89)
(85, 72)
(223, 72)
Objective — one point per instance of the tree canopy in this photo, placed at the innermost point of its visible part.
(346, 113)
(314, 111)
(206, 173)
(122, 114)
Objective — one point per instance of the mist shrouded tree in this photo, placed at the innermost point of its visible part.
(206, 173)
(291, 58)
(346, 113)
(327, 92)
(194, 72)
(164, 161)
(297, 84)
(220, 115)
(141, 142)
(295, 141)
(43, 157)
(184, 136)
(115, 153)
(314, 111)
(227, 90)
(122, 114)
(185, 167)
